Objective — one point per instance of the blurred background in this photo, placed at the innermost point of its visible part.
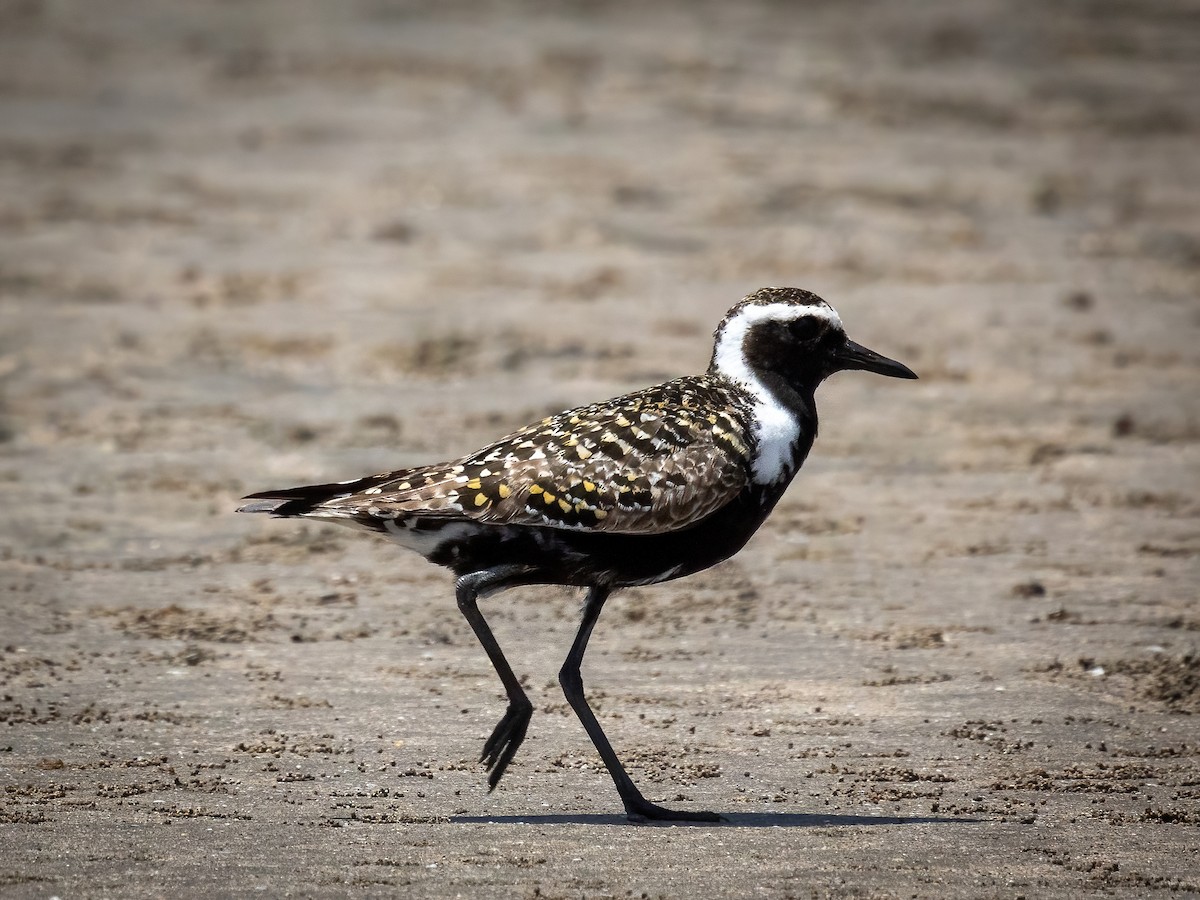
(253, 244)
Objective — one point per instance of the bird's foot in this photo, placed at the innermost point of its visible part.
(506, 738)
(642, 810)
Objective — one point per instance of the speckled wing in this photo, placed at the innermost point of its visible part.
(654, 461)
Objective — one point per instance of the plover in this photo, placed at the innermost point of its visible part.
(643, 488)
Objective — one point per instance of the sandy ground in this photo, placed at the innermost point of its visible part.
(247, 245)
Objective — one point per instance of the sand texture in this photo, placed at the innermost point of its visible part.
(247, 245)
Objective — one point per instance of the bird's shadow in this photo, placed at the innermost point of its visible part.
(731, 820)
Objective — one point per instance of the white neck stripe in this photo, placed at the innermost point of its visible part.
(775, 428)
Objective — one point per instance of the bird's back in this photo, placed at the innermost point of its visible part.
(656, 460)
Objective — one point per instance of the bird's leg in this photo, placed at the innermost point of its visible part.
(636, 806)
(508, 734)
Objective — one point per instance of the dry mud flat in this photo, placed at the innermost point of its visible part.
(250, 245)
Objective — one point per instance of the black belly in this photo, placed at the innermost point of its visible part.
(583, 558)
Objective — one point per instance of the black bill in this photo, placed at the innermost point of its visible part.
(856, 356)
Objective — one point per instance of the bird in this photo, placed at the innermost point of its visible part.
(647, 487)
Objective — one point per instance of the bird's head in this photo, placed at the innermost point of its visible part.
(793, 336)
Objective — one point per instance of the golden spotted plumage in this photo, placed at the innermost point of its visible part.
(653, 461)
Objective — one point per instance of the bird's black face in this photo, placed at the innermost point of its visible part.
(798, 350)
(809, 348)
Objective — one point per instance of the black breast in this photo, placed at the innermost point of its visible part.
(584, 558)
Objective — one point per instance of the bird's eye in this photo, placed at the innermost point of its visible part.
(806, 329)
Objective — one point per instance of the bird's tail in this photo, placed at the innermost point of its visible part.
(298, 501)
(262, 506)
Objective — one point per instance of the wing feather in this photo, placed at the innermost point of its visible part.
(652, 461)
